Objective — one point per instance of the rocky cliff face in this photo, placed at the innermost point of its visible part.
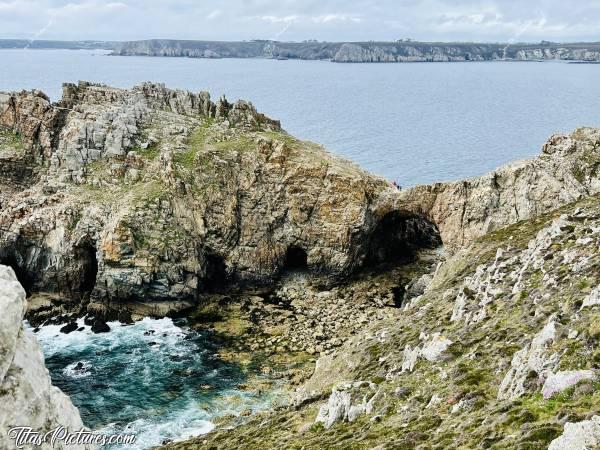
(27, 397)
(499, 350)
(363, 52)
(148, 195)
(152, 194)
(567, 170)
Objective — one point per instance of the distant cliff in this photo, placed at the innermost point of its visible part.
(54, 45)
(362, 52)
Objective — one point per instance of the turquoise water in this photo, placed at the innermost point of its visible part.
(156, 379)
(414, 123)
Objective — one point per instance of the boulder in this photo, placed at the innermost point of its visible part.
(27, 396)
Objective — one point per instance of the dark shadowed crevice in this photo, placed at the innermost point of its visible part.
(398, 292)
(295, 259)
(28, 270)
(215, 278)
(398, 236)
(87, 263)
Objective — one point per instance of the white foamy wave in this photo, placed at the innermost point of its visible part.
(79, 369)
(184, 424)
(161, 331)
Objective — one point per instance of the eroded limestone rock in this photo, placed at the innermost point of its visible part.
(592, 299)
(559, 381)
(583, 435)
(532, 360)
(347, 402)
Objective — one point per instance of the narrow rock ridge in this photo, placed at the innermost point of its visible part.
(27, 397)
(567, 170)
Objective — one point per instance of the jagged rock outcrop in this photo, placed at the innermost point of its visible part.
(567, 170)
(533, 358)
(562, 380)
(152, 194)
(347, 402)
(584, 435)
(27, 397)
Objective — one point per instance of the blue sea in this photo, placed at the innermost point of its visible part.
(414, 123)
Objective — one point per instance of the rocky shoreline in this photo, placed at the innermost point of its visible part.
(120, 204)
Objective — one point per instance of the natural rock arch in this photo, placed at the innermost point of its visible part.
(398, 236)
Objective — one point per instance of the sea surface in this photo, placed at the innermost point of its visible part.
(156, 379)
(414, 123)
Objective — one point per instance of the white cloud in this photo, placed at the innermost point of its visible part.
(277, 19)
(486, 20)
(329, 18)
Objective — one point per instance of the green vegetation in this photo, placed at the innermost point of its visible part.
(150, 152)
(196, 143)
(11, 141)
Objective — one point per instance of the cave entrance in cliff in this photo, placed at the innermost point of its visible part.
(216, 273)
(398, 236)
(23, 277)
(85, 255)
(295, 259)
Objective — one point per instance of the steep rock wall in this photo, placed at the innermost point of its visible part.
(27, 397)
(156, 194)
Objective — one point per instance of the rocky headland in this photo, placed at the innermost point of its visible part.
(119, 204)
(150, 198)
(364, 52)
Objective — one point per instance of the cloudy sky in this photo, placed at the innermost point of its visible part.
(481, 20)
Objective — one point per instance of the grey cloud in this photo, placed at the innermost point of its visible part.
(489, 20)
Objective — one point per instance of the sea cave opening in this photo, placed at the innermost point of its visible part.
(215, 274)
(295, 259)
(398, 236)
(87, 260)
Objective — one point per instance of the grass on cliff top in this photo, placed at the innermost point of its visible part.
(150, 152)
(10, 142)
(196, 143)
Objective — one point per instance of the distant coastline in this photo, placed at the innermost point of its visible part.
(58, 45)
(341, 52)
